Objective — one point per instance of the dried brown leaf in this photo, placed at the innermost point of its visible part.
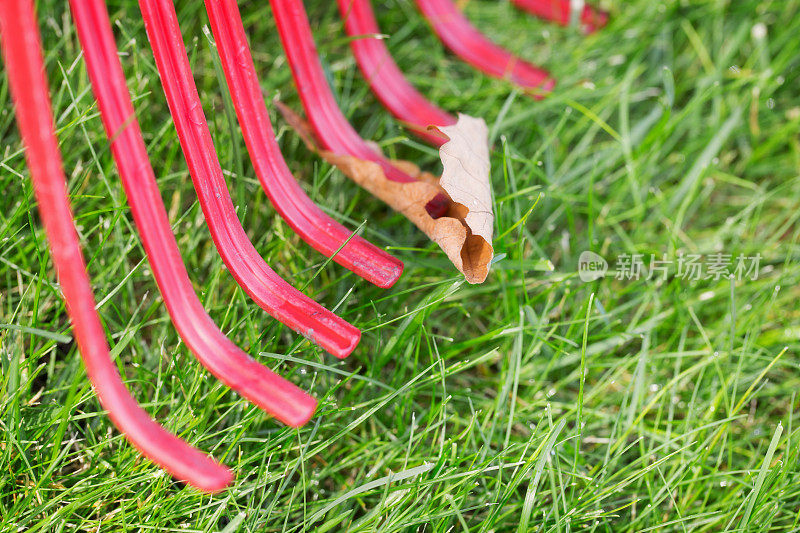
(462, 196)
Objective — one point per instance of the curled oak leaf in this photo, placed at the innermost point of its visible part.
(454, 211)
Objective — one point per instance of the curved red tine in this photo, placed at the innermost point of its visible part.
(329, 124)
(558, 11)
(267, 289)
(464, 40)
(215, 351)
(315, 227)
(22, 49)
(327, 120)
(385, 78)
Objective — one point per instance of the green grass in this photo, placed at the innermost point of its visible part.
(534, 401)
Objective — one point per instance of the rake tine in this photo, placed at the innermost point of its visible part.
(21, 44)
(268, 290)
(464, 40)
(387, 81)
(559, 11)
(315, 227)
(213, 349)
(384, 76)
(327, 120)
(329, 124)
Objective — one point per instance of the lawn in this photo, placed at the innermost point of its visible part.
(665, 399)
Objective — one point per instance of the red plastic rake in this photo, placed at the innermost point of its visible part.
(464, 40)
(266, 288)
(559, 11)
(385, 78)
(215, 351)
(24, 63)
(322, 232)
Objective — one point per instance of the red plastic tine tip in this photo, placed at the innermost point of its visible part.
(22, 49)
(559, 11)
(267, 289)
(315, 227)
(385, 78)
(327, 120)
(214, 350)
(464, 40)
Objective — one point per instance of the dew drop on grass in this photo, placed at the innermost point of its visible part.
(759, 31)
(616, 60)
